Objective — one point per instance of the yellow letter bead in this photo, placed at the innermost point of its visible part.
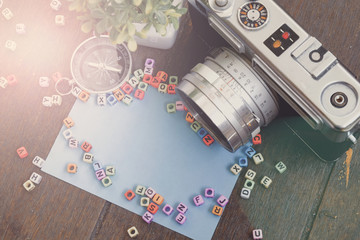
(35, 178)
(133, 232)
(266, 181)
(84, 96)
(217, 210)
(258, 158)
(158, 199)
(144, 201)
(68, 122)
(170, 108)
(140, 190)
(106, 181)
(118, 94)
(250, 174)
(88, 158)
(28, 185)
(110, 171)
(235, 169)
(72, 168)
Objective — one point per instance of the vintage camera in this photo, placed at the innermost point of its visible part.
(235, 92)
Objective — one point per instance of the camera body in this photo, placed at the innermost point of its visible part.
(291, 62)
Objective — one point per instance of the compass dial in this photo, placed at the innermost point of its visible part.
(253, 15)
(99, 66)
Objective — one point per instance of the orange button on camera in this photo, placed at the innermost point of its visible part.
(277, 44)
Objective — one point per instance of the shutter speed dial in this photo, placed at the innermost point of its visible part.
(253, 15)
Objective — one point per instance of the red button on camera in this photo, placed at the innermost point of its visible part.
(285, 35)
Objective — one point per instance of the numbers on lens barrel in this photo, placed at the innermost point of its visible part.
(253, 15)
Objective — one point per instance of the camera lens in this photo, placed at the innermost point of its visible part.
(228, 98)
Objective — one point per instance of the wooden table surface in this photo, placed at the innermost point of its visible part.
(309, 201)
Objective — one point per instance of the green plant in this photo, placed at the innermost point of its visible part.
(117, 17)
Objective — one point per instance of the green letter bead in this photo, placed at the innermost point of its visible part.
(170, 107)
(280, 166)
(249, 184)
(173, 80)
(195, 126)
(143, 86)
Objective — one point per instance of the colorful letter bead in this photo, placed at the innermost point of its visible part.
(158, 199)
(56, 100)
(171, 89)
(140, 190)
(35, 178)
(202, 132)
(97, 166)
(9, 44)
(133, 232)
(147, 78)
(21, 151)
(47, 101)
(258, 158)
(257, 139)
(68, 122)
(86, 146)
(173, 80)
(257, 234)
(245, 193)
(170, 108)
(162, 88)
(76, 91)
(20, 28)
(150, 63)
(101, 99)
(179, 106)
(182, 208)
(250, 174)
(29, 186)
(167, 209)
(84, 96)
(55, 4)
(118, 94)
(148, 217)
(198, 200)
(150, 192)
(129, 195)
(249, 184)
(88, 158)
(71, 168)
(222, 200)
(110, 171)
(133, 82)
(38, 161)
(148, 70)
(235, 169)
(217, 210)
(7, 13)
(153, 208)
(243, 162)
(144, 201)
(3, 82)
(139, 94)
(127, 88)
(155, 82)
(59, 20)
(127, 99)
(208, 140)
(281, 167)
(67, 134)
(195, 126)
(209, 192)
(12, 80)
(143, 86)
(111, 99)
(139, 74)
(106, 181)
(250, 152)
(180, 218)
(73, 143)
(100, 174)
(44, 81)
(162, 76)
(266, 181)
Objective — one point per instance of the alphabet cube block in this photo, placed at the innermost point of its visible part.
(7, 13)
(1, 3)
(59, 20)
(84, 96)
(68, 122)
(147, 78)
(150, 63)
(173, 80)
(44, 81)
(148, 217)
(56, 100)
(127, 88)
(235, 169)
(110, 171)
(20, 28)
(222, 200)
(47, 101)
(179, 106)
(73, 143)
(86, 146)
(3, 82)
(152, 208)
(118, 94)
(217, 210)
(155, 82)
(257, 234)
(266, 181)
(100, 174)
(12, 80)
(97, 166)
(162, 76)
(21, 151)
(195, 126)
(133, 82)
(88, 158)
(150, 192)
(189, 117)
(76, 91)
(257, 139)
(29, 186)
(144, 201)
(35, 178)
(258, 158)
(67, 134)
(208, 140)
(111, 99)
(243, 162)
(209, 192)
(55, 4)
(167, 209)
(182, 208)
(180, 218)
(148, 71)
(9, 44)
(171, 89)
(127, 99)
(143, 86)
(198, 200)
(129, 195)
(158, 199)
(162, 88)
(133, 232)
(202, 132)
(281, 167)
(250, 174)
(249, 184)
(250, 152)
(139, 94)
(71, 168)
(245, 193)
(56, 76)
(170, 108)
(38, 161)
(101, 99)
(140, 190)
(106, 181)
(139, 74)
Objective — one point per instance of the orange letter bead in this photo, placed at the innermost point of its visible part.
(189, 118)
(118, 94)
(158, 199)
(72, 168)
(68, 122)
(257, 139)
(208, 140)
(217, 210)
(129, 195)
(84, 96)
(152, 208)
(147, 78)
(22, 152)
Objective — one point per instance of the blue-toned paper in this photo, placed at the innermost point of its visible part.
(148, 147)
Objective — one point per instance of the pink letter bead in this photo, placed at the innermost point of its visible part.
(100, 174)
(182, 208)
(209, 192)
(86, 146)
(167, 209)
(180, 218)
(257, 234)
(198, 200)
(150, 193)
(148, 217)
(222, 201)
(22, 152)
(179, 106)
(12, 80)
